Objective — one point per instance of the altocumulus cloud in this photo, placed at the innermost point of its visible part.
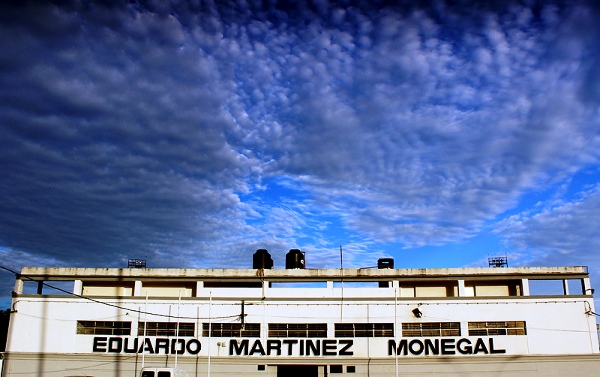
(157, 129)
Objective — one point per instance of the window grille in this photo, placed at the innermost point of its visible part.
(166, 329)
(103, 328)
(232, 330)
(364, 330)
(431, 329)
(297, 330)
(497, 328)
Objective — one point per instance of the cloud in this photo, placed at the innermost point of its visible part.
(157, 130)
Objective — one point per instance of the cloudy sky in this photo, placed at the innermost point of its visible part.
(191, 134)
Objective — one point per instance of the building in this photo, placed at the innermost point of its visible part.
(303, 322)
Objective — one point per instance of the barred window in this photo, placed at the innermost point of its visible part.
(166, 328)
(297, 330)
(364, 330)
(103, 327)
(431, 329)
(232, 330)
(497, 328)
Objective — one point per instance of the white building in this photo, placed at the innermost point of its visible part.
(288, 322)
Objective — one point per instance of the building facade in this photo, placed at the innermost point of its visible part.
(308, 322)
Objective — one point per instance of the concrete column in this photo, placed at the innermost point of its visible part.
(587, 287)
(525, 285)
(78, 287)
(461, 288)
(137, 288)
(19, 285)
(565, 283)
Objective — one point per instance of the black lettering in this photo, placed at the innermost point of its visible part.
(492, 350)
(238, 349)
(162, 343)
(174, 349)
(301, 347)
(146, 346)
(420, 348)
(402, 346)
(99, 344)
(274, 345)
(315, 348)
(193, 350)
(347, 344)
(115, 345)
(480, 347)
(434, 347)
(329, 347)
(290, 343)
(257, 348)
(448, 347)
(466, 350)
(132, 349)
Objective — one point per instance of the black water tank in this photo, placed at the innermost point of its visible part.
(295, 259)
(385, 263)
(262, 260)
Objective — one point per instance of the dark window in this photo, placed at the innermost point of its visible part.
(364, 330)
(261, 367)
(164, 374)
(232, 330)
(497, 328)
(350, 369)
(166, 328)
(336, 369)
(147, 373)
(103, 328)
(431, 329)
(297, 330)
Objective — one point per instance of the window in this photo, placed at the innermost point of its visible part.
(350, 369)
(103, 328)
(431, 329)
(336, 369)
(497, 328)
(232, 330)
(166, 328)
(298, 330)
(364, 330)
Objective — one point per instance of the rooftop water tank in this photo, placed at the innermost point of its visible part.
(385, 263)
(262, 260)
(295, 259)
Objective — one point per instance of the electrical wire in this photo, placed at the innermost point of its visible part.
(108, 303)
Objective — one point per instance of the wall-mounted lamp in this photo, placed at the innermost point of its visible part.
(591, 291)
(417, 312)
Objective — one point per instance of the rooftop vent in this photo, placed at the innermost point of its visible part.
(498, 262)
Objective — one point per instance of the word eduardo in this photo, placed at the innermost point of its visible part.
(145, 345)
(444, 346)
(291, 347)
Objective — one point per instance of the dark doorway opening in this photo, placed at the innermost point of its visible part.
(297, 371)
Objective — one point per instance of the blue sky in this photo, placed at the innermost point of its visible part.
(191, 134)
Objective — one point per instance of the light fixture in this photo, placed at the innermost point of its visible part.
(417, 312)
(591, 291)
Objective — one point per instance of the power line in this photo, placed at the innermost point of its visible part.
(109, 304)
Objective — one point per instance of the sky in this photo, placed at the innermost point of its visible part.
(192, 133)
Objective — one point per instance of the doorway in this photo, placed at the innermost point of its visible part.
(297, 371)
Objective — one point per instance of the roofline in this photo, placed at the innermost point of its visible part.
(65, 273)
